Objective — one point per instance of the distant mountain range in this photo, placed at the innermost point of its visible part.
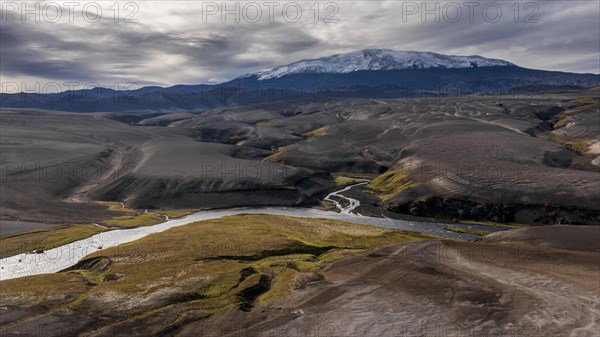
(369, 73)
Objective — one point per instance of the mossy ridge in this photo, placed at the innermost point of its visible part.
(265, 123)
(135, 220)
(343, 180)
(581, 104)
(467, 231)
(390, 183)
(274, 157)
(578, 145)
(135, 217)
(176, 213)
(322, 131)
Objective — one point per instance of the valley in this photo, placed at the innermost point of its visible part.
(502, 159)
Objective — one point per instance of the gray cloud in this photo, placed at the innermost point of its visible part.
(171, 44)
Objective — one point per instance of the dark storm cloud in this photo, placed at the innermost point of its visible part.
(53, 69)
(23, 52)
(172, 45)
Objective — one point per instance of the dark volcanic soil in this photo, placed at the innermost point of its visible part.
(435, 288)
(524, 159)
(9, 228)
(584, 238)
(54, 164)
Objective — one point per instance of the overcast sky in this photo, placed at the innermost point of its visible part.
(170, 42)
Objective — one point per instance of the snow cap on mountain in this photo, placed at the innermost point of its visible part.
(378, 59)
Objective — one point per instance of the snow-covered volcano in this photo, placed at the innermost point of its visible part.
(368, 73)
(379, 59)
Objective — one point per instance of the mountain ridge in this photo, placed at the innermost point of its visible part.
(369, 73)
